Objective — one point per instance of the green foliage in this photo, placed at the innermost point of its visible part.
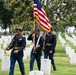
(23, 13)
(5, 16)
(61, 13)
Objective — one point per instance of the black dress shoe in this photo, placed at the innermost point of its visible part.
(23, 74)
(54, 68)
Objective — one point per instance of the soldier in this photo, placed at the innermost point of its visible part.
(17, 45)
(49, 50)
(36, 51)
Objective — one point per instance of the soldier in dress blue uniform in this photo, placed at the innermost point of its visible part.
(49, 50)
(17, 45)
(36, 51)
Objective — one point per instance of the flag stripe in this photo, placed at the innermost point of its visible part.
(43, 21)
(41, 13)
(41, 17)
(46, 17)
(45, 28)
(43, 24)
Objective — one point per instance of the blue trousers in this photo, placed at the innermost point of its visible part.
(46, 55)
(12, 65)
(32, 59)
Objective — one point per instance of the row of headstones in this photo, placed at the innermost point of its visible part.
(61, 39)
(72, 40)
(69, 51)
(6, 62)
(26, 52)
(44, 63)
(5, 40)
(5, 59)
(45, 68)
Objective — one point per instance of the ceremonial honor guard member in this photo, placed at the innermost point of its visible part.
(37, 49)
(49, 50)
(17, 45)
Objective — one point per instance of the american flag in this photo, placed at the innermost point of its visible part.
(41, 17)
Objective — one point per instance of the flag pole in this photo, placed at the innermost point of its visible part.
(44, 38)
(34, 34)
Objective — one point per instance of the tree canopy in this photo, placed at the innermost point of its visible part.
(61, 13)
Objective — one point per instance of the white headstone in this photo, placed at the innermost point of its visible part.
(36, 72)
(73, 59)
(16, 63)
(28, 50)
(46, 66)
(25, 55)
(1, 54)
(4, 45)
(28, 42)
(1, 41)
(5, 63)
(67, 49)
(71, 52)
(8, 52)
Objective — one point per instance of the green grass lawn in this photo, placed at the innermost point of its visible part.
(61, 60)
